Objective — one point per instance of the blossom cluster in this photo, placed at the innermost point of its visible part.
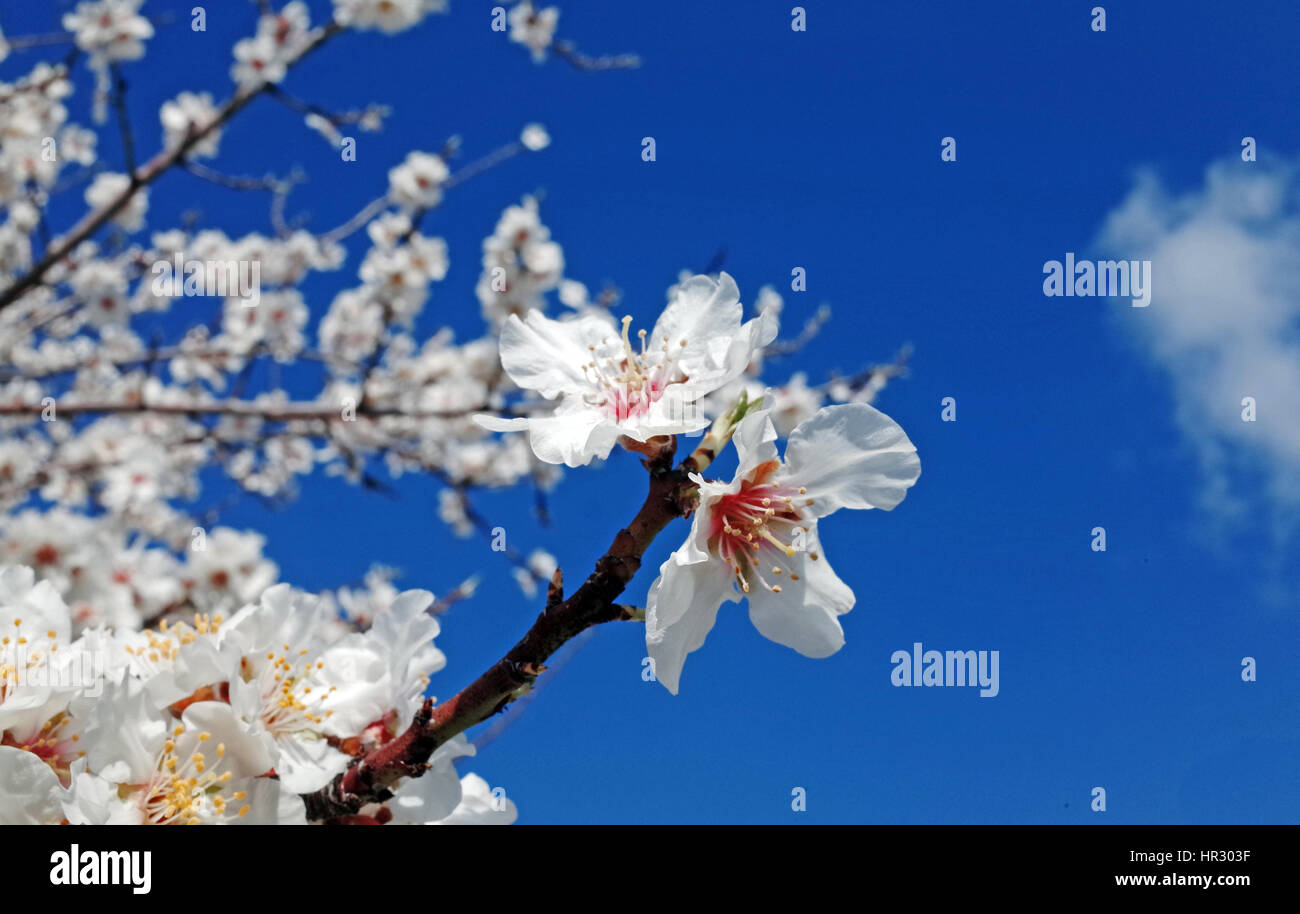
(224, 719)
(752, 538)
(153, 667)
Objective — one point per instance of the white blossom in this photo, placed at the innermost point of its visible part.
(389, 16)
(756, 537)
(187, 113)
(610, 387)
(417, 182)
(107, 187)
(535, 138)
(109, 30)
(534, 28)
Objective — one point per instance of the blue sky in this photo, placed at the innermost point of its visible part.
(821, 149)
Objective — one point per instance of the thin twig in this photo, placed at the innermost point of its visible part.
(146, 175)
(123, 121)
(567, 52)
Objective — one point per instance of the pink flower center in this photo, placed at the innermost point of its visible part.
(760, 526)
(629, 383)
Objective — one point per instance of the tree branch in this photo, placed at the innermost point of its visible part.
(284, 412)
(147, 174)
(372, 777)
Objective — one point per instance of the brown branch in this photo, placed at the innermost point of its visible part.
(503, 721)
(567, 52)
(372, 777)
(286, 412)
(555, 590)
(123, 119)
(59, 72)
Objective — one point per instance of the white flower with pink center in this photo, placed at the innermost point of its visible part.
(756, 536)
(610, 386)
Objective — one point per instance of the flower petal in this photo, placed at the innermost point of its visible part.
(547, 355)
(479, 806)
(29, 789)
(851, 456)
(308, 762)
(570, 436)
(803, 615)
(497, 424)
(705, 313)
(680, 611)
(755, 441)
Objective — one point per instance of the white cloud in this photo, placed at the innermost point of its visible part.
(1224, 323)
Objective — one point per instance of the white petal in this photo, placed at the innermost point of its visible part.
(246, 754)
(803, 615)
(497, 424)
(93, 800)
(271, 802)
(755, 440)
(573, 435)
(706, 314)
(427, 798)
(851, 456)
(308, 763)
(30, 792)
(753, 336)
(435, 794)
(547, 355)
(696, 547)
(478, 805)
(572, 438)
(680, 611)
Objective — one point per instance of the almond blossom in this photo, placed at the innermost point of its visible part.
(109, 30)
(205, 769)
(186, 113)
(154, 669)
(610, 387)
(106, 188)
(388, 16)
(534, 28)
(225, 721)
(756, 536)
